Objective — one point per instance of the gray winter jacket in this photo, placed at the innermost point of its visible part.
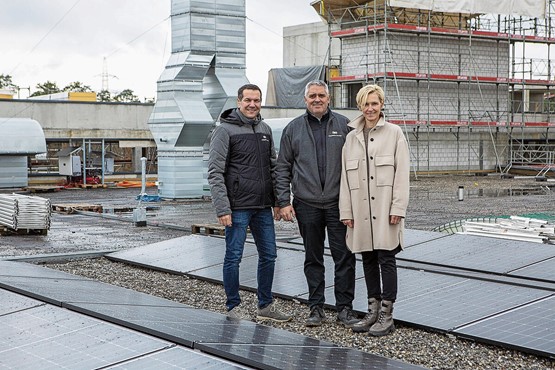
(297, 167)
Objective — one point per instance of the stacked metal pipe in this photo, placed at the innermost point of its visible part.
(25, 212)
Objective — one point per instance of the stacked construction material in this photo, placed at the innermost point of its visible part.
(515, 228)
(24, 212)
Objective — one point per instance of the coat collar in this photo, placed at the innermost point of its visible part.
(359, 122)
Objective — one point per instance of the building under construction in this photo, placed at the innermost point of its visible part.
(472, 88)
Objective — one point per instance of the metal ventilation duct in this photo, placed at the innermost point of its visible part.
(19, 137)
(201, 79)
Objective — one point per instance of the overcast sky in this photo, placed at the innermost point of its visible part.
(67, 40)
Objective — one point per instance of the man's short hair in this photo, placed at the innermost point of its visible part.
(316, 83)
(247, 87)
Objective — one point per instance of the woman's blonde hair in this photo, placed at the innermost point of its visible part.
(363, 93)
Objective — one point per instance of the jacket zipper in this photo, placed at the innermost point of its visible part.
(261, 200)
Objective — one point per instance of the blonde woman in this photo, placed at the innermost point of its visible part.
(372, 203)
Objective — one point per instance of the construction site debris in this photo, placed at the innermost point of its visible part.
(22, 212)
(514, 228)
(209, 229)
(71, 208)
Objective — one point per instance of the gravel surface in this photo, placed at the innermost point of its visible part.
(434, 202)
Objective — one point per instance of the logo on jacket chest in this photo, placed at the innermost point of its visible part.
(335, 134)
(265, 138)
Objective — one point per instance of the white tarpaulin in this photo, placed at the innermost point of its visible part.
(528, 8)
(21, 136)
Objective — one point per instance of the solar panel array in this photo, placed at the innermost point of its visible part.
(89, 324)
(36, 335)
(446, 282)
(494, 291)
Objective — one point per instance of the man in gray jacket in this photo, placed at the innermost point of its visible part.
(309, 165)
(241, 167)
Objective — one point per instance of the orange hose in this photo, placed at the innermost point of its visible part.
(134, 184)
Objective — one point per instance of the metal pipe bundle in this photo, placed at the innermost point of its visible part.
(25, 212)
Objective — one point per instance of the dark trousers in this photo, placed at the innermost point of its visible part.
(313, 223)
(376, 264)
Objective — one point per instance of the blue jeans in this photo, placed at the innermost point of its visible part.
(261, 223)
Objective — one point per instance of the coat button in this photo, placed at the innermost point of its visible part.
(371, 177)
(371, 139)
(371, 157)
(373, 217)
(372, 198)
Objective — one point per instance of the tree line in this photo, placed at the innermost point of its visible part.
(50, 87)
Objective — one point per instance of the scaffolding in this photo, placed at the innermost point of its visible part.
(466, 88)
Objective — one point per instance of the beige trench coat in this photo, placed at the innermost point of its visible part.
(374, 185)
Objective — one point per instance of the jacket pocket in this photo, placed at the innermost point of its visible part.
(385, 170)
(351, 167)
(233, 193)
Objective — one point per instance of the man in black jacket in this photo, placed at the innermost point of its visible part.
(309, 165)
(241, 168)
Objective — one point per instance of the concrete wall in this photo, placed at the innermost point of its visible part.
(307, 45)
(432, 148)
(62, 120)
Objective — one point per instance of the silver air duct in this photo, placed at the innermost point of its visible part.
(206, 67)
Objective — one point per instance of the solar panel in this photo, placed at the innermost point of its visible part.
(12, 302)
(480, 275)
(298, 241)
(288, 245)
(530, 327)
(57, 291)
(304, 357)
(289, 278)
(544, 270)
(414, 237)
(176, 358)
(446, 302)
(188, 326)
(182, 254)
(49, 337)
(10, 268)
(479, 253)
